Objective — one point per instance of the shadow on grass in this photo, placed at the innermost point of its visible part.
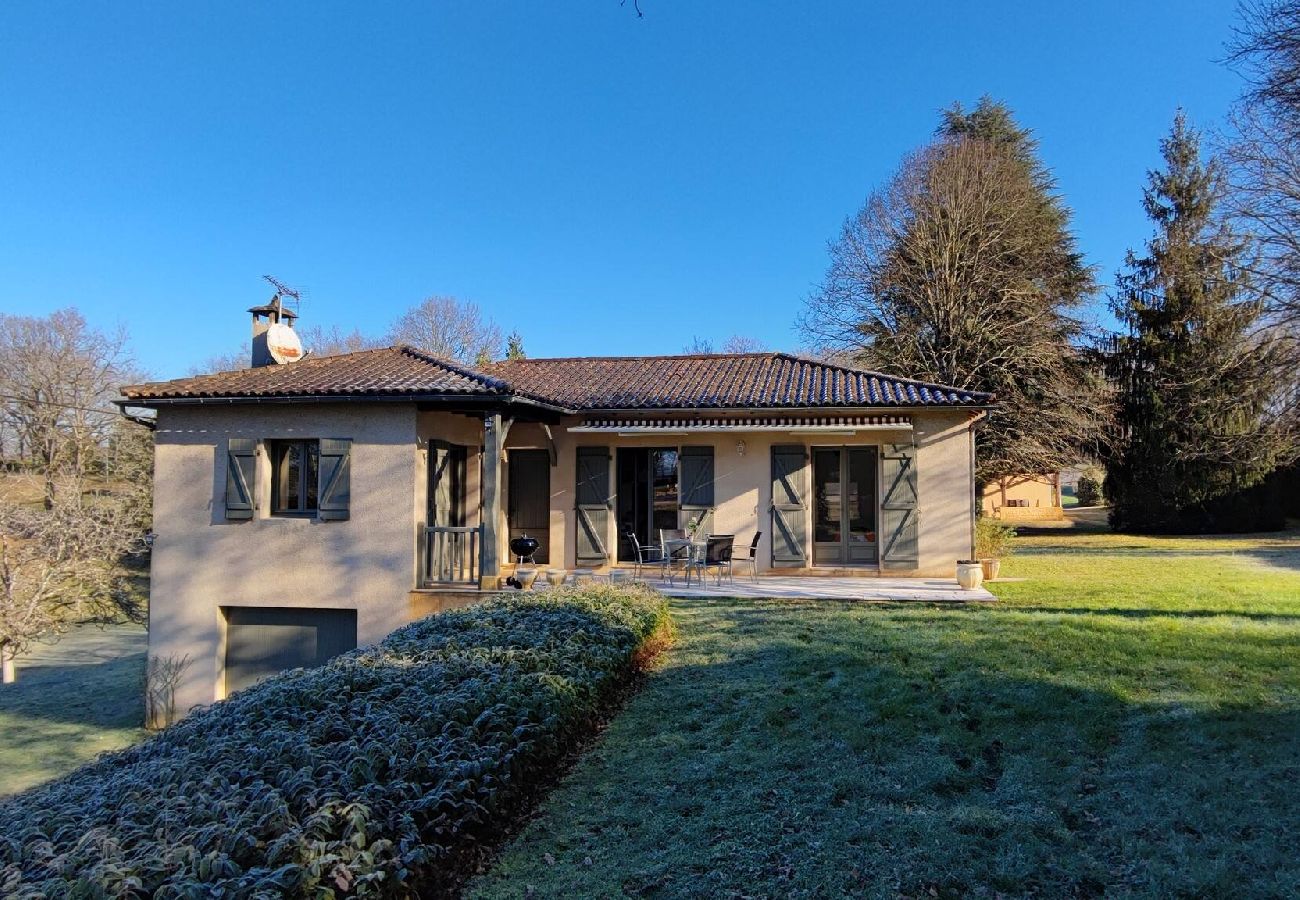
(792, 751)
(1155, 613)
(102, 695)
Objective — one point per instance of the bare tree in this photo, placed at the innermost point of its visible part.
(334, 341)
(737, 343)
(1262, 154)
(961, 271)
(449, 328)
(63, 565)
(233, 361)
(58, 378)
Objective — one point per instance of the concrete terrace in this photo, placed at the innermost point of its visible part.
(922, 590)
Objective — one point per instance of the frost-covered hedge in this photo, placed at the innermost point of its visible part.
(377, 774)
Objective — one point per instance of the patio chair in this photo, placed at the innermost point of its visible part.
(646, 555)
(678, 555)
(752, 559)
(716, 554)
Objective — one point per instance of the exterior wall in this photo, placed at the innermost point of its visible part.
(946, 491)
(370, 562)
(743, 488)
(202, 562)
(1039, 490)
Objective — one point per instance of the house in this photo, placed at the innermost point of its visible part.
(1025, 498)
(306, 508)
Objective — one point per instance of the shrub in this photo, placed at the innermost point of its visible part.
(1088, 491)
(994, 538)
(378, 774)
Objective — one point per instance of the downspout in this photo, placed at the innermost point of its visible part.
(974, 499)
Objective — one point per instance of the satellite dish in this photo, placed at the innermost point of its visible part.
(283, 344)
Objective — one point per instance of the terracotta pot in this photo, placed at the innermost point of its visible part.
(969, 575)
(526, 577)
(554, 578)
(990, 565)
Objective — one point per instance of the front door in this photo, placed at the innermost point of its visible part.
(844, 507)
(528, 501)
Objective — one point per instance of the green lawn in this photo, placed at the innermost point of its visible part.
(1126, 721)
(73, 700)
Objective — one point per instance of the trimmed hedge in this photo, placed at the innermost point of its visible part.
(379, 774)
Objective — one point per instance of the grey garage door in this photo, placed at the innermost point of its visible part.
(261, 641)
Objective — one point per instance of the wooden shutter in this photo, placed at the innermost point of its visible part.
(335, 494)
(789, 506)
(593, 505)
(898, 508)
(241, 477)
(696, 484)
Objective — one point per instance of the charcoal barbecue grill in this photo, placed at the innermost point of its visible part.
(524, 548)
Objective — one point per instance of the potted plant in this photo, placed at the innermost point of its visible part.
(696, 522)
(994, 539)
(969, 574)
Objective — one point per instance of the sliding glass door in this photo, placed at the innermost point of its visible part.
(844, 508)
(647, 495)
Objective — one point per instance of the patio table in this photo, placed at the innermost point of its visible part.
(690, 545)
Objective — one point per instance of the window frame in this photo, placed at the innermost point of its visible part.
(308, 476)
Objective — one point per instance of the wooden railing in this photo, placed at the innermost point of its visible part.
(451, 554)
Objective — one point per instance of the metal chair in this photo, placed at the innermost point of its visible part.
(716, 555)
(646, 555)
(752, 559)
(678, 555)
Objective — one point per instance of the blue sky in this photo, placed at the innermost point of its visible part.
(603, 183)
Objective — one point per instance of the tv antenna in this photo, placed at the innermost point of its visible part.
(282, 290)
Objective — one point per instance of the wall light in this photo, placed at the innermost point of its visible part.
(740, 447)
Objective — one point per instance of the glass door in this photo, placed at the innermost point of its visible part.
(647, 496)
(844, 507)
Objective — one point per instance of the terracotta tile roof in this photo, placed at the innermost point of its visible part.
(719, 381)
(387, 371)
(702, 381)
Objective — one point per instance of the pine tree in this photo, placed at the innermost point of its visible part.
(1193, 370)
(515, 346)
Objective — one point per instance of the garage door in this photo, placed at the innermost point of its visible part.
(261, 641)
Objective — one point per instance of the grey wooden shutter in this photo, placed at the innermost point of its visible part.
(335, 494)
(241, 477)
(593, 505)
(899, 514)
(789, 506)
(696, 484)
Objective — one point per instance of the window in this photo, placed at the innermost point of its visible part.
(295, 477)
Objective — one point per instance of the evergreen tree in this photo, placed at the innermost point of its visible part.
(515, 346)
(1194, 371)
(962, 270)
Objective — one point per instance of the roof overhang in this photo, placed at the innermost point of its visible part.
(447, 401)
(785, 424)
